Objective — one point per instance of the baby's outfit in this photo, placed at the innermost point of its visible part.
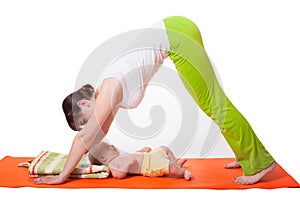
(155, 163)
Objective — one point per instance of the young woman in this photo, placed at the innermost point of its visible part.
(124, 83)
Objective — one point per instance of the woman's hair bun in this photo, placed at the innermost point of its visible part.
(89, 89)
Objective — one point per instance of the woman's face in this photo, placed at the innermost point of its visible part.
(87, 109)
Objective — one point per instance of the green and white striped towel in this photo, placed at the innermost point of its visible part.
(51, 163)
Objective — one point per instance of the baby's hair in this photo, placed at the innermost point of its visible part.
(71, 109)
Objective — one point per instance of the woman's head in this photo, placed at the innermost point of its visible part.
(78, 106)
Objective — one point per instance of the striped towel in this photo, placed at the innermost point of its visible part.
(51, 163)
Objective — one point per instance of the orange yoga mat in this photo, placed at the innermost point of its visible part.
(208, 173)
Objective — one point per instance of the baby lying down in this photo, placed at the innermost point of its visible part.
(158, 162)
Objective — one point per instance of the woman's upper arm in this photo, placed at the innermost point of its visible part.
(105, 104)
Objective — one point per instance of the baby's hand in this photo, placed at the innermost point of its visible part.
(145, 149)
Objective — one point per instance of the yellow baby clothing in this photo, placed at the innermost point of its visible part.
(155, 163)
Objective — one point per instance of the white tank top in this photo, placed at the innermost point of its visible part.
(135, 68)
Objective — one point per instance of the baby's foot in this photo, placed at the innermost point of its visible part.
(232, 165)
(187, 175)
(247, 180)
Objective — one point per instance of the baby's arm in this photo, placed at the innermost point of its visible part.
(120, 167)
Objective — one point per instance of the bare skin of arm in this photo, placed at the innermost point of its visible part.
(94, 131)
(119, 168)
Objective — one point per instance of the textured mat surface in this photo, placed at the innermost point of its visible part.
(208, 173)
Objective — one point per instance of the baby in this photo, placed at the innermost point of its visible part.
(158, 162)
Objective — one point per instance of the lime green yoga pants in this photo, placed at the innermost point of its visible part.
(197, 74)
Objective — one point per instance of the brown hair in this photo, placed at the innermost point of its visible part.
(71, 109)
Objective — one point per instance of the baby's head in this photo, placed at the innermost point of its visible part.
(102, 153)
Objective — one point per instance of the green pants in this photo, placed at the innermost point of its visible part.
(196, 72)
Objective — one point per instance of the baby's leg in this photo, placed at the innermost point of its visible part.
(177, 171)
(172, 158)
(170, 154)
(175, 166)
(179, 161)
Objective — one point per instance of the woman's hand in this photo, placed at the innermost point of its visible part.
(51, 180)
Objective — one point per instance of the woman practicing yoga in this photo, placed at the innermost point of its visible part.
(123, 84)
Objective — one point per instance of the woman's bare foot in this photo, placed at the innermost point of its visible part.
(181, 161)
(247, 180)
(187, 175)
(232, 165)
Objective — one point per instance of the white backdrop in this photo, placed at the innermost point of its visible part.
(253, 44)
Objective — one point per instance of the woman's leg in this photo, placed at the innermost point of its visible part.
(197, 74)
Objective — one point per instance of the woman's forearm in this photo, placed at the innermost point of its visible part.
(93, 132)
(82, 142)
(78, 149)
(76, 153)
